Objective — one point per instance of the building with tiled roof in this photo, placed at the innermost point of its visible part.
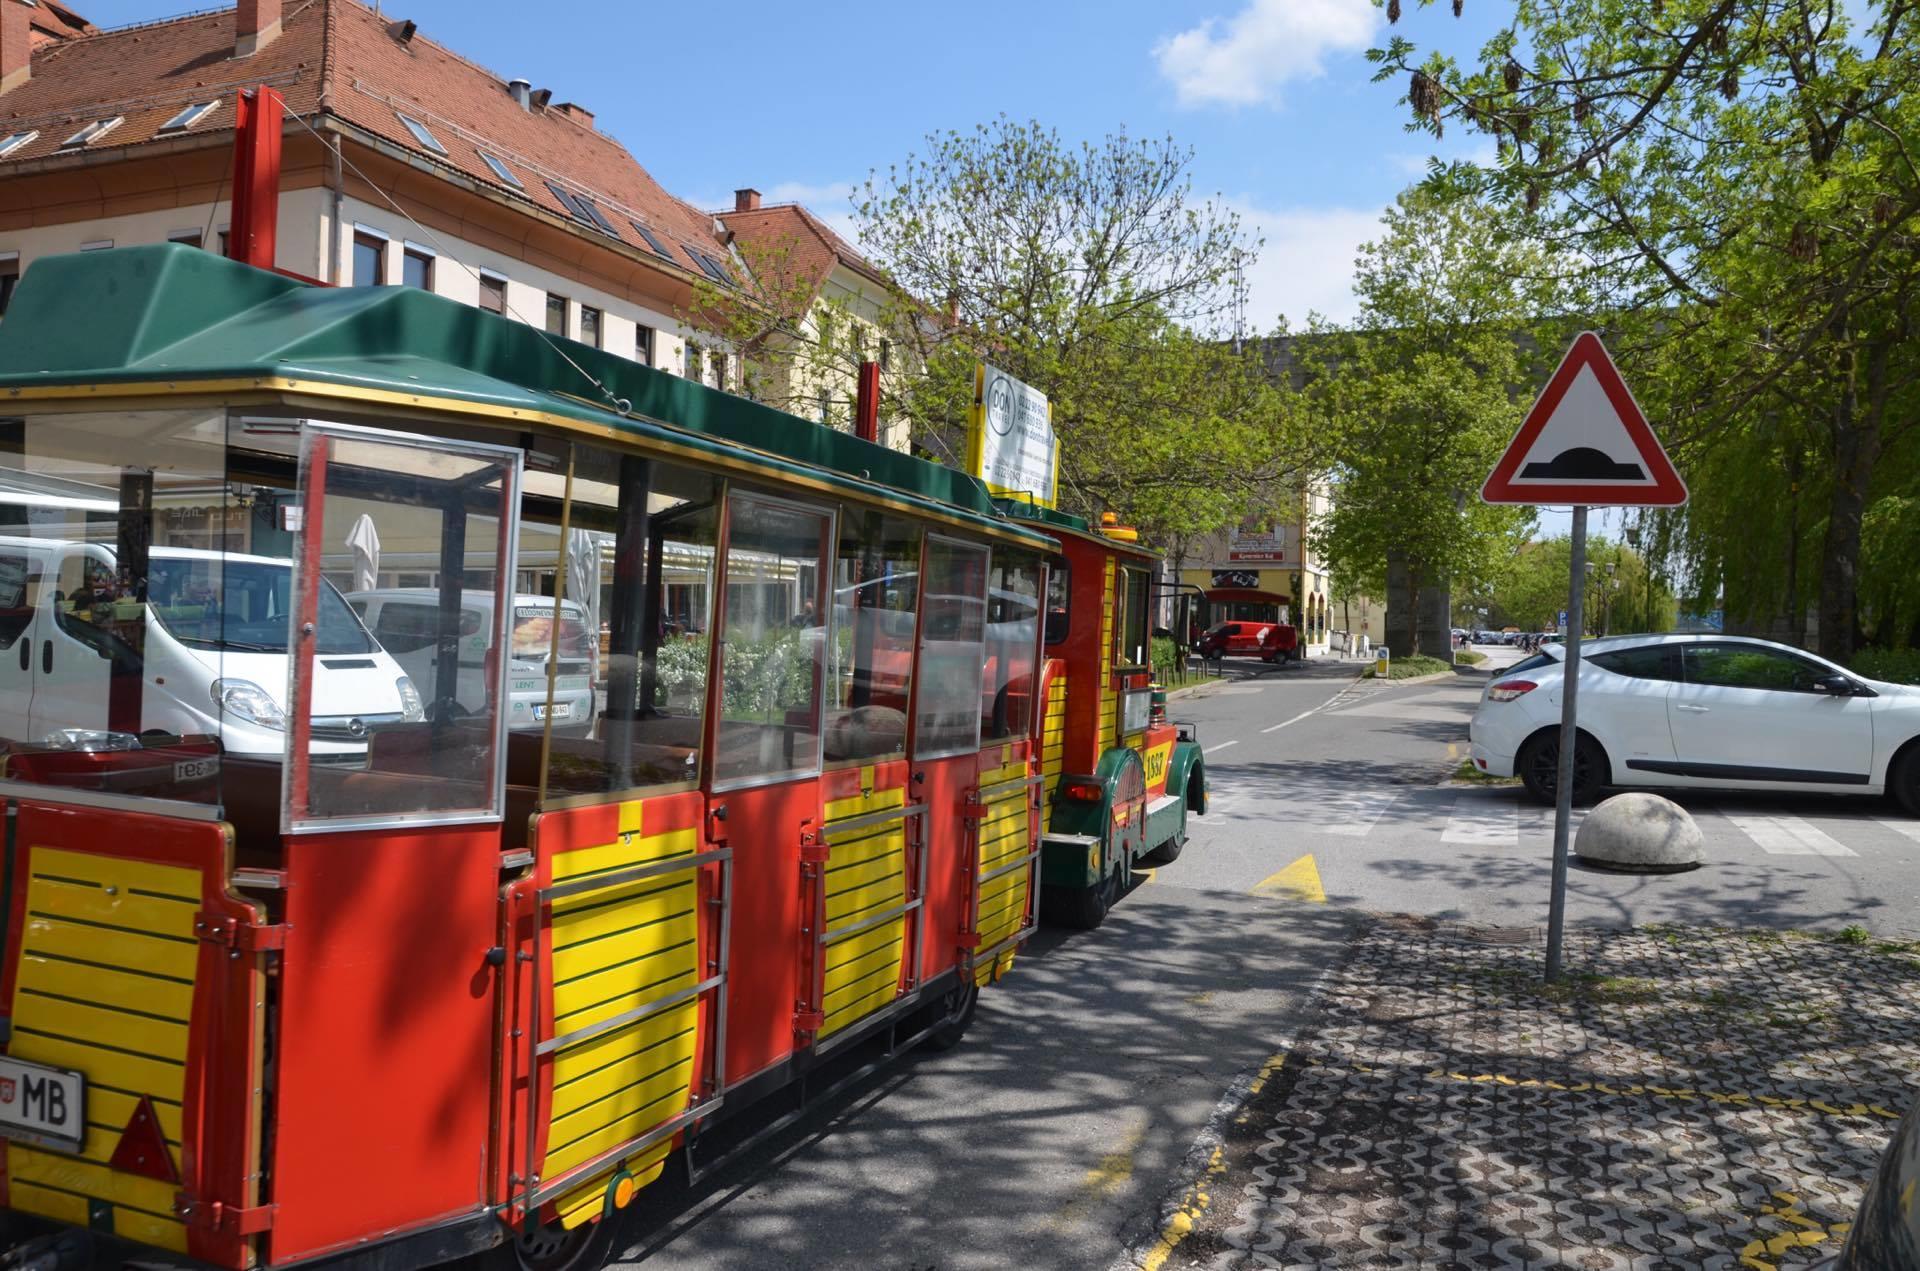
(403, 162)
(838, 310)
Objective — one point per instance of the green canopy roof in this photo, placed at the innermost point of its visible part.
(169, 313)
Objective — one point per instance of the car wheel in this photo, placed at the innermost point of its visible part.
(1903, 783)
(1539, 767)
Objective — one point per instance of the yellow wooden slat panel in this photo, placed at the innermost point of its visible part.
(589, 1199)
(148, 1037)
(858, 1009)
(161, 1233)
(612, 1095)
(111, 1108)
(884, 840)
(858, 956)
(115, 948)
(618, 990)
(109, 988)
(608, 857)
(579, 1063)
(861, 804)
(646, 1105)
(885, 976)
(69, 1173)
(90, 902)
(663, 1044)
(59, 1206)
(116, 871)
(104, 1066)
(857, 874)
(648, 941)
(622, 908)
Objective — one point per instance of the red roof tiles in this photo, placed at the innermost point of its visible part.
(340, 58)
(794, 240)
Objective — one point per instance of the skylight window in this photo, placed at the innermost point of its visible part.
(12, 143)
(600, 222)
(568, 201)
(715, 268)
(92, 133)
(653, 240)
(502, 171)
(190, 116)
(421, 135)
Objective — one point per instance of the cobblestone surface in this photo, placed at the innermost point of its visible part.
(1689, 1099)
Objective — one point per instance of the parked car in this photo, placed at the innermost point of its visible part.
(1705, 712)
(1886, 1230)
(1268, 641)
(214, 656)
(406, 621)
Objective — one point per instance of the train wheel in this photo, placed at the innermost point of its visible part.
(1168, 852)
(1085, 908)
(551, 1247)
(956, 1010)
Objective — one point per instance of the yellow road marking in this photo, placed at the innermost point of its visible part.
(1186, 1216)
(1787, 1211)
(1453, 750)
(1106, 1178)
(1298, 881)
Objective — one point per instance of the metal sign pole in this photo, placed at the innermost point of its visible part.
(1563, 784)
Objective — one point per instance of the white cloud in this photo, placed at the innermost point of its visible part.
(1242, 60)
(1306, 264)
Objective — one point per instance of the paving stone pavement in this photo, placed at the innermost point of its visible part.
(1687, 1099)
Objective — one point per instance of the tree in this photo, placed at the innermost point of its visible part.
(1092, 274)
(1415, 405)
(1739, 178)
(1623, 594)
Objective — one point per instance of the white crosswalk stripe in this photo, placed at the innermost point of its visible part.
(1908, 828)
(1483, 822)
(1790, 836)
(1352, 815)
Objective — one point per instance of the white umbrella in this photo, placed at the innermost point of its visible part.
(364, 539)
(583, 576)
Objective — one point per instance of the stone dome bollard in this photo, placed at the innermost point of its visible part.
(1641, 833)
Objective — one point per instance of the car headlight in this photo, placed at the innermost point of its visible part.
(246, 700)
(412, 709)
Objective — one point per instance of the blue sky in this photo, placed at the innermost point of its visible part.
(802, 101)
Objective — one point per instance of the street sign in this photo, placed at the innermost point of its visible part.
(1586, 442)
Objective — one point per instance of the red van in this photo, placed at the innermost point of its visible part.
(1268, 641)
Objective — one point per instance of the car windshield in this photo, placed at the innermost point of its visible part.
(242, 606)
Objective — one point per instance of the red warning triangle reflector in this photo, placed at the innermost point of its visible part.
(143, 1146)
(1586, 441)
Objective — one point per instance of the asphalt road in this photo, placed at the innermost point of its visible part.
(1055, 1133)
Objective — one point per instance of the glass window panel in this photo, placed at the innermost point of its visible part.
(1750, 666)
(953, 635)
(876, 593)
(413, 734)
(640, 563)
(369, 260)
(1059, 588)
(135, 655)
(493, 293)
(1133, 629)
(771, 654)
(416, 270)
(1013, 633)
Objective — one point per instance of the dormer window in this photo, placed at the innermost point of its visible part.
(421, 134)
(9, 144)
(189, 117)
(92, 133)
(501, 170)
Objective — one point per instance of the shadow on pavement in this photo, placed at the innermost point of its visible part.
(1050, 1132)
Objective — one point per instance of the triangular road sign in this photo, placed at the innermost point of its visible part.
(1586, 441)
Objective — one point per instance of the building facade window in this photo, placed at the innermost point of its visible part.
(643, 344)
(416, 269)
(719, 361)
(493, 293)
(826, 406)
(187, 237)
(694, 367)
(886, 354)
(556, 314)
(590, 324)
(369, 259)
(9, 279)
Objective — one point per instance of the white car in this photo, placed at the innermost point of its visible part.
(406, 621)
(1703, 712)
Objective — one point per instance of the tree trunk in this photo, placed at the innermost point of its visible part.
(1856, 448)
(1398, 631)
(1435, 636)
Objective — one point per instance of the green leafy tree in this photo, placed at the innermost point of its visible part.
(1738, 179)
(1414, 406)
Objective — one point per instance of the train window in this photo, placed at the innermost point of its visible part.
(876, 601)
(1013, 612)
(772, 642)
(412, 737)
(952, 649)
(124, 673)
(1133, 629)
(639, 577)
(1059, 589)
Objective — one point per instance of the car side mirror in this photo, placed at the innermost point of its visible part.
(1836, 686)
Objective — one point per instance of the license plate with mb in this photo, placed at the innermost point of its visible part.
(42, 1105)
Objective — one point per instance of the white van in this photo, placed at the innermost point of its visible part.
(215, 661)
(405, 619)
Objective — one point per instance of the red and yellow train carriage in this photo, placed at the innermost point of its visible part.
(349, 934)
